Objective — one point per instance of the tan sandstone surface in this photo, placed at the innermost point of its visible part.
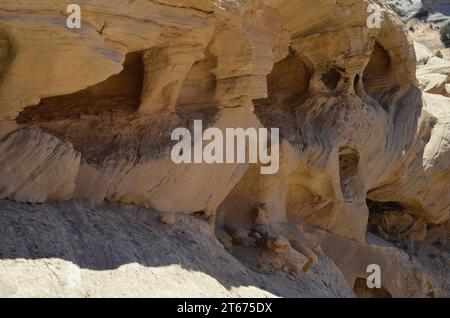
(85, 139)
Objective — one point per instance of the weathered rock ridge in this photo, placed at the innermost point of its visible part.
(87, 114)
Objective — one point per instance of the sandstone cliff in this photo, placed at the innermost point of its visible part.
(86, 117)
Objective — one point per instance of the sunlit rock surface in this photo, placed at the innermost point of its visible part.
(86, 115)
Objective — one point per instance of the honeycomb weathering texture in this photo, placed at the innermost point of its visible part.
(87, 115)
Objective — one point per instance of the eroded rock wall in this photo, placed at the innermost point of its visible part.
(87, 114)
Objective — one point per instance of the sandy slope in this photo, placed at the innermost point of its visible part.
(124, 251)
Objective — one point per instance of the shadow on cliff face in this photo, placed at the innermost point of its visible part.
(109, 236)
(119, 93)
(288, 82)
(377, 75)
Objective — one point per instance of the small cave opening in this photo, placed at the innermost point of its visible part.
(348, 172)
(331, 78)
(381, 207)
(119, 93)
(382, 219)
(377, 74)
(289, 80)
(394, 223)
(357, 85)
(361, 290)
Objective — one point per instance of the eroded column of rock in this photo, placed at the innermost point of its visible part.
(166, 69)
(242, 67)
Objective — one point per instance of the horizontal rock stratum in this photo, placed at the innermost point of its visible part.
(86, 117)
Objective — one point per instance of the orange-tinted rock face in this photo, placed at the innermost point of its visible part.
(88, 113)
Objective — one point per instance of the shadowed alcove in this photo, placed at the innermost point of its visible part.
(118, 93)
(362, 291)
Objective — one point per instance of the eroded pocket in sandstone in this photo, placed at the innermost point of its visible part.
(362, 291)
(394, 223)
(289, 80)
(120, 93)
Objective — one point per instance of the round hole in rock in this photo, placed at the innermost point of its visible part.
(331, 78)
(362, 291)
